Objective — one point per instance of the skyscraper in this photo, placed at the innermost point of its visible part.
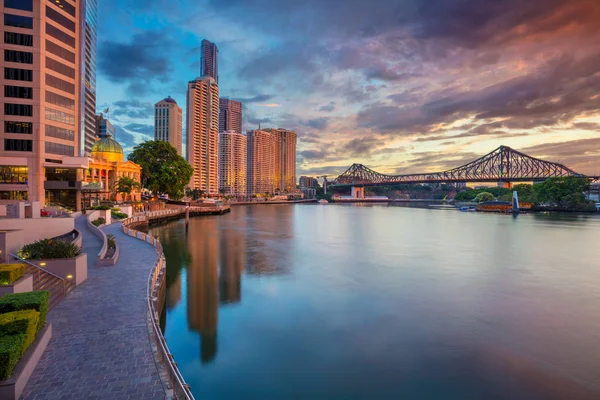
(88, 75)
(209, 60)
(232, 163)
(202, 132)
(42, 113)
(230, 115)
(168, 124)
(260, 164)
(285, 160)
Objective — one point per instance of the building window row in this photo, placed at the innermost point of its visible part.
(60, 19)
(13, 195)
(18, 145)
(60, 149)
(59, 133)
(59, 100)
(13, 175)
(15, 56)
(25, 5)
(63, 5)
(19, 39)
(18, 92)
(18, 74)
(59, 116)
(60, 35)
(18, 127)
(60, 51)
(58, 83)
(24, 110)
(18, 21)
(60, 68)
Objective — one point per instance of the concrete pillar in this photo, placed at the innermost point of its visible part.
(505, 185)
(358, 192)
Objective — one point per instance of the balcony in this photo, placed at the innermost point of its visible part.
(62, 185)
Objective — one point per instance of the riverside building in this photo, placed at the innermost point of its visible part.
(230, 115)
(43, 107)
(232, 163)
(168, 122)
(202, 132)
(284, 179)
(260, 162)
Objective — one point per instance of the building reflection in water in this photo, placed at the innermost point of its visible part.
(233, 258)
(203, 284)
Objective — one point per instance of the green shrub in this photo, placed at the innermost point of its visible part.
(27, 301)
(10, 273)
(23, 322)
(102, 207)
(10, 353)
(111, 241)
(47, 249)
(98, 222)
(118, 215)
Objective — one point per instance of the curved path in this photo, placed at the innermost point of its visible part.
(100, 347)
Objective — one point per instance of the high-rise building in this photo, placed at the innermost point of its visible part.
(103, 127)
(209, 60)
(88, 75)
(202, 132)
(308, 182)
(168, 124)
(42, 111)
(285, 160)
(260, 164)
(232, 163)
(230, 115)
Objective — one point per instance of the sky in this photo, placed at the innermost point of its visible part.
(402, 86)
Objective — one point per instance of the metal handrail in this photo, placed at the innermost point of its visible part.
(38, 267)
(158, 269)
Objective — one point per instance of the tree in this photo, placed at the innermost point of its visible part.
(564, 192)
(484, 196)
(126, 185)
(163, 170)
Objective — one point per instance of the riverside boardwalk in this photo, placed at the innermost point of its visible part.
(100, 347)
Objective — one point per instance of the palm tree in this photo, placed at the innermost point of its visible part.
(126, 185)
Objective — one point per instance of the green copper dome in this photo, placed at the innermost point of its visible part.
(107, 145)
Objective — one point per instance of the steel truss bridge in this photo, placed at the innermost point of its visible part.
(503, 165)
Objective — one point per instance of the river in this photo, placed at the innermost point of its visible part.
(384, 302)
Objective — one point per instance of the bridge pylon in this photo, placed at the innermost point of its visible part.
(358, 192)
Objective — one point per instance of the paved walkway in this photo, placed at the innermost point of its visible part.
(100, 347)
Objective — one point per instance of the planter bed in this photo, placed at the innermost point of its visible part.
(21, 285)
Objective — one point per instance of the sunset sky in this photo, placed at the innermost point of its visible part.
(398, 85)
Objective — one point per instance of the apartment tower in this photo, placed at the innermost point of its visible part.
(260, 163)
(285, 160)
(168, 125)
(41, 110)
(232, 163)
(88, 74)
(209, 60)
(230, 115)
(202, 130)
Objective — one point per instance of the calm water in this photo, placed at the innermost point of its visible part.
(378, 302)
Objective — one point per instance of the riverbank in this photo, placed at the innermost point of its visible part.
(252, 203)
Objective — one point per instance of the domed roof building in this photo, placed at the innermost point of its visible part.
(107, 165)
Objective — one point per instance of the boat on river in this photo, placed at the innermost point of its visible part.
(323, 201)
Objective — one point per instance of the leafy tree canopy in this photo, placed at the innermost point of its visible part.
(563, 192)
(163, 170)
(484, 196)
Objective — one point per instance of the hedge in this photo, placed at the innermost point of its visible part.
(10, 273)
(27, 301)
(10, 353)
(24, 322)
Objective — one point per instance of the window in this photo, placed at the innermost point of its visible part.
(18, 74)
(18, 92)
(60, 68)
(18, 21)
(60, 84)
(60, 149)
(18, 127)
(60, 35)
(13, 175)
(59, 51)
(59, 133)
(18, 145)
(25, 110)
(20, 39)
(59, 100)
(61, 19)
(59, 116)
(63, 5)
(25, 5)
(23, 57)
(13, 195)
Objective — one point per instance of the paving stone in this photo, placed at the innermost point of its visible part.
(100, 347)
